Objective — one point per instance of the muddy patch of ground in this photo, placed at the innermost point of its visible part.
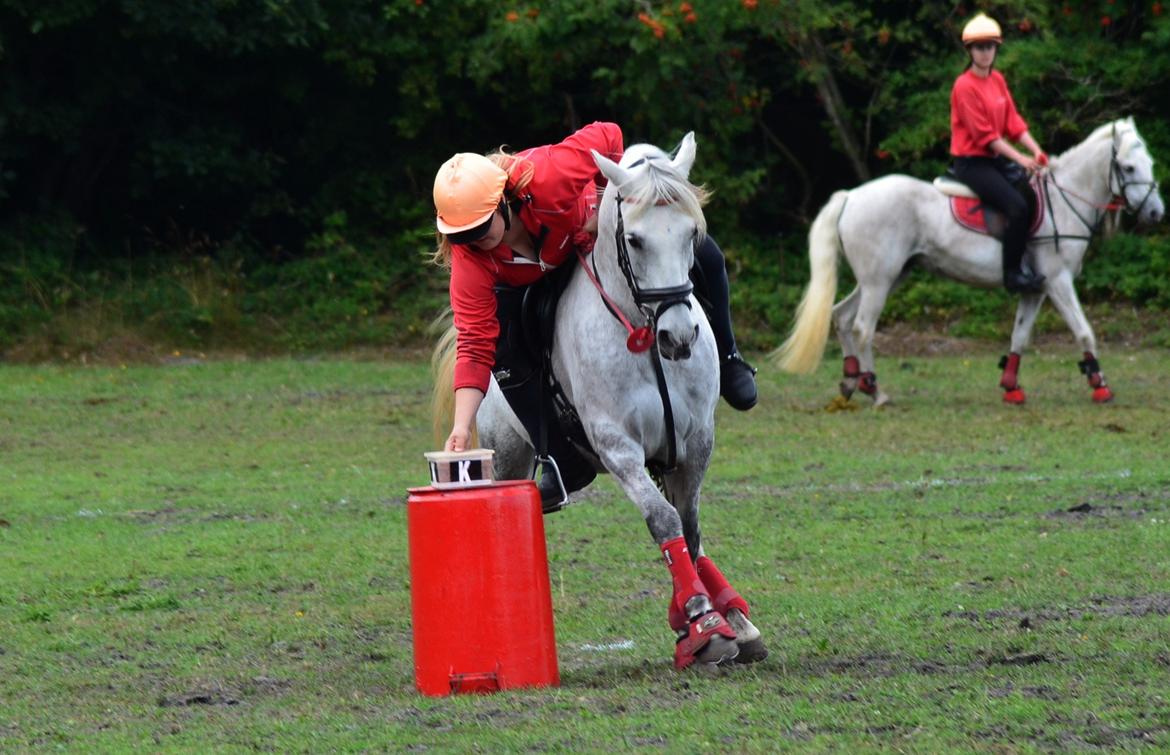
(1101, 606)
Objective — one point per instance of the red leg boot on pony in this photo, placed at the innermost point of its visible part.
(704, 635)
(1009, 381)
(735, 609)
(1091, 370)
(850, 377)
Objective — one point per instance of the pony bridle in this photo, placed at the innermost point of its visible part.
(1115, 171)
(645, 298)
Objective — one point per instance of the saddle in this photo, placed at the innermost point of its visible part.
(970, 213)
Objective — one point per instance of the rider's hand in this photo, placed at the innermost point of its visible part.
(458, 440)
(1030, 165)
(1042, 159)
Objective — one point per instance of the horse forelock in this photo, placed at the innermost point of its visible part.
(655, 182)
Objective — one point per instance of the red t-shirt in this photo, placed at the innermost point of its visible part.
(982, 111)
(556, 204)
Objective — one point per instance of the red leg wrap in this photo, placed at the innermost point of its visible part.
(852, 367)
(700, 632)
(682, 571)
(1011, 367)
(867, 383)
(1092, 371)
(723, 595)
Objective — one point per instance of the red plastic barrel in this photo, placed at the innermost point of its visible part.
(479, 593)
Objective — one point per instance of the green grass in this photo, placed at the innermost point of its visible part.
(213, 556)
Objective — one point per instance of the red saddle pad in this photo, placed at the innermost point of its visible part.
(968, 212)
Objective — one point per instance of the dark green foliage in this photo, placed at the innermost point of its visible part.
(236, 172)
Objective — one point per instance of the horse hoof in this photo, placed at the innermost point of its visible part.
(1102, 395)
(880, 400)
(747, 636)
(1014, 396)
(752, 651)
(718, 651)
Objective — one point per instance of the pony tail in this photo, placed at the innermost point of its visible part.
(443, 374)
(803, 350)
(519, 170)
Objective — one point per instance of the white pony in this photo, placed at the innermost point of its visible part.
(889, 224)
(638, 409)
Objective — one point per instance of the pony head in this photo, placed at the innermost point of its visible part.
(653, 214)
(1131, 175)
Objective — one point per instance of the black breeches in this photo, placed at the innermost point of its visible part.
(985, 176)
(710, 277)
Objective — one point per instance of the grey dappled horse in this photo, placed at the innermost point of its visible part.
(649, 220)
(889, 224)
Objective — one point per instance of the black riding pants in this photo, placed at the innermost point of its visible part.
(710, 277)
(985, 176)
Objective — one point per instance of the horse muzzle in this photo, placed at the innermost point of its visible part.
(673, 347)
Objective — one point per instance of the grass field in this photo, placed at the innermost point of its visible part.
(212, 555)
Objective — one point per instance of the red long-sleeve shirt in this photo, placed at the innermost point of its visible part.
(982, 111)
(559, 200)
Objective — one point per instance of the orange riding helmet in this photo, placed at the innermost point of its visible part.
(982, 28)
(468, 189)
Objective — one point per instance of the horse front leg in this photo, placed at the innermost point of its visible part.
(1064, 297)
(682, 488)
(1009, 380)
(704, 636)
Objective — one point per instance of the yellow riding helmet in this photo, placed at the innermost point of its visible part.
(982, 28)
(468, 188)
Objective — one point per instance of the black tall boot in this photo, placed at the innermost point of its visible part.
(737, 381)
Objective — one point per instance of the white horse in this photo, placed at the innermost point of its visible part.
(887, 225)
(637, 409)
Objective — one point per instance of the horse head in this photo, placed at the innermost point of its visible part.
(1131, 173)
(652, 217)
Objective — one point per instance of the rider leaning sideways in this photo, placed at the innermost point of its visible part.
(983, 120)
(505, 221)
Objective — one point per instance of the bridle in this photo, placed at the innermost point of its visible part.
(1120, 200)
(1115, 171)
(653, 304)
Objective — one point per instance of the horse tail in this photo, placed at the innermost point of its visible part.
(802, 351)
(443, 373)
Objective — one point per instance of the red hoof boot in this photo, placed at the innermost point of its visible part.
(710, 640)
(1102, 395)
(1014, 396)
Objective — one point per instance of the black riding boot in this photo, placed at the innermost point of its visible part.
(737, 381)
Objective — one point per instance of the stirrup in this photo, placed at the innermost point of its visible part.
(551, 499)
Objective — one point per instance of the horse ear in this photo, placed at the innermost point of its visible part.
(685, 156)
(611, 170)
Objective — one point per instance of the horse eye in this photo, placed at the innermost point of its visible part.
(1129, 169)
(634, 240)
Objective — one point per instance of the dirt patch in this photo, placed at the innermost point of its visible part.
(169, 515)
(213, 695)
(1103, 606)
